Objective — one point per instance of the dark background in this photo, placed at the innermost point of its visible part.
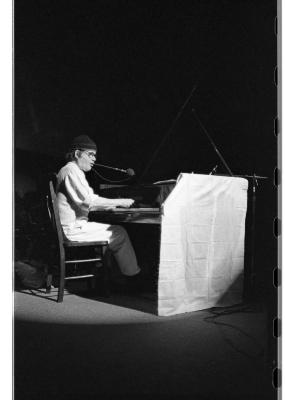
(120, 71)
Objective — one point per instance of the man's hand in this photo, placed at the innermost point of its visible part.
(125, 203)
(102, 203)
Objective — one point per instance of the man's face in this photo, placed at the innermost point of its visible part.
(85, 159)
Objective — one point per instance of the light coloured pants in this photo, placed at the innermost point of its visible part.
(118, 238)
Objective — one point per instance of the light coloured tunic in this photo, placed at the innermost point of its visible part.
(75, 198)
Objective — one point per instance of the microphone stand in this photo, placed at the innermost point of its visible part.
(254, 178)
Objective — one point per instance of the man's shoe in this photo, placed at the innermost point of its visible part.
(135, 283)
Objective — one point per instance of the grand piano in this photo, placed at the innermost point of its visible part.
(201, 234)
(147, 208)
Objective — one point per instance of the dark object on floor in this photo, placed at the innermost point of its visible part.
(30, 275)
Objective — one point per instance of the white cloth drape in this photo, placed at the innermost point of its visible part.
(202, 244)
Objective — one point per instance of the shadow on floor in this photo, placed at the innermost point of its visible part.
(144, 302)
(181, 358)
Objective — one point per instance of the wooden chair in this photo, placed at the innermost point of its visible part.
(64, 247)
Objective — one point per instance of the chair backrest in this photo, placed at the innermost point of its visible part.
(54, 214)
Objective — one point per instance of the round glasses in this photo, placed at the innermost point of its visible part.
(90, 154)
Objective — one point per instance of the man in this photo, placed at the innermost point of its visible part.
(75, 198)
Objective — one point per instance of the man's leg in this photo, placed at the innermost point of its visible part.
(119, 243)
(123, 251)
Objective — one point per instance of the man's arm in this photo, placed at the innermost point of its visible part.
(103, 202)
(83, 196)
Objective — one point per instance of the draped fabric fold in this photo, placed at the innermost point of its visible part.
(202, 244)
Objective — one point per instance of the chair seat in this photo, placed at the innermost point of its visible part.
(68, 243)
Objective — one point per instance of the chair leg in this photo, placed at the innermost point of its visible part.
(106, 256)
(48, 283)
(91, 283)
(60, 292)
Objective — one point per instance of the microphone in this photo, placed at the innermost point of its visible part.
(128, 171)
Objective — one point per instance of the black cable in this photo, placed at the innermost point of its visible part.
(211, 319)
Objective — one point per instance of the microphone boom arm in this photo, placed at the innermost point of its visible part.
(212, 142)
(128, 171)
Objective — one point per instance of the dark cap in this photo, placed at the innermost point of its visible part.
(82, 142)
